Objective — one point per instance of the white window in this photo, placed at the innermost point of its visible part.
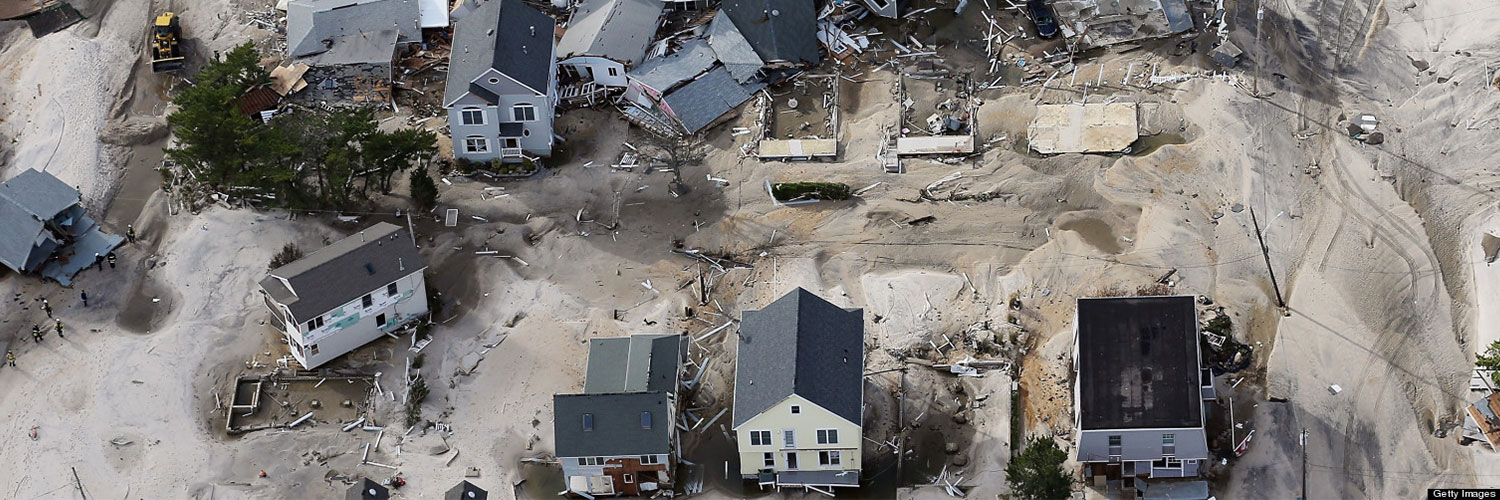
(366, 301)
(828, 436)
(613, 71)
(315, 323)
(828, 458)
(760, 438)
(591, 461)
(650, 460)
(312, 349)
(629, 479)
(770, 459)
(523, 113)
(472, 116)
(791, 438)
(380, 319)
(476, 144)
(512, 142)
(390, 290)
(1168, 439)
(796, 409)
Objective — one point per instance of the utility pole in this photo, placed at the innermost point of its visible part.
(1266, 252)
(1260, 13)
(1304, 464)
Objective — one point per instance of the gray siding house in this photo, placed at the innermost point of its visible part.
(502, 83)
(1140, 388)
(44, 229)
(618, 437)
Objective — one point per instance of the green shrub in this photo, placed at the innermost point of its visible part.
(794, 191)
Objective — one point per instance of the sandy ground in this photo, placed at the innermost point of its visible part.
(1374, 252)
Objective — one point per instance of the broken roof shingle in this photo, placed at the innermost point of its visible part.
(345, 270)
(732, 49)
(664, 73)
(506, 35)
(618, 426)
(800, 344)
(704, 100)
(779, 30)
(620, 30)
(310, 22)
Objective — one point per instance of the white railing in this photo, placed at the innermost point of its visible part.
(510, 152)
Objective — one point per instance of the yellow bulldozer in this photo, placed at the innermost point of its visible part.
(165, 35)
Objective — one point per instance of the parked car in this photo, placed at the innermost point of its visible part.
(1041, 15)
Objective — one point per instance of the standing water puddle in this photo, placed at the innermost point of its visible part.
(1094, 232)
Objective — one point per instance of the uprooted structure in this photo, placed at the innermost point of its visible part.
(43, 228)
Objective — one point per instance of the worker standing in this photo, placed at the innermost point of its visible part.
(47, 307)
(130, 233)
(59, 328)
(111, 258)
(10, 358)
(99, 261)
(36, 334)
(85, 296)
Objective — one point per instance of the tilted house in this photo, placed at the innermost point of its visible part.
(605, 38)
(798, 393)
(348, 293)
(44, 229)
(1141, 389)
(502, 82)
(618, 437)
(361, 36)
(684, 92)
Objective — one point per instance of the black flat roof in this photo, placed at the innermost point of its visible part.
(1138, 363)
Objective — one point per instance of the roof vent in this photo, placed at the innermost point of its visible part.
(490, 32)
(775, 12)
(533, 31)
(370, 268)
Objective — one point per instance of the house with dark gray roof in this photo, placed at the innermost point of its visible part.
(799, 393)
(44, 229)
(619, 436)
(783, 33)
(687, 91)
(324, 33)
(605, 38)
(1141, 388)
(348, 293)
(502, 82)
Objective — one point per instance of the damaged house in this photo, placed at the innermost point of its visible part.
(502, 83)
(1092, 23)
(605, 38)
(619, 437)
(44, 229)
(347, 294)
(695, 87)
(783, 33)
(351, 44)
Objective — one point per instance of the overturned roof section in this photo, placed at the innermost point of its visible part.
(344, 271)
(1092, 23)
(664, 73)
(433, 14)
(314, 26)
(803, 345)
(27, 201)
(778, 30)
(506, 35)
(633, 364)
(732, 49)
(603, 425)
(620, 30)
(704, 100)
(370, 47)
(1083, 128)
(1138, 363)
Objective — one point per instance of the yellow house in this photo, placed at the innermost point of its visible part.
(798, 395)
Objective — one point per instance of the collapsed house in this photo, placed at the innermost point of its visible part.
(502, 82)
(1092, 23)
(44, 229)
(604, 39)
(684, 92)
(42, 16)
(801, 121)
(347, 294)
(351, 46)
(619, 437)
